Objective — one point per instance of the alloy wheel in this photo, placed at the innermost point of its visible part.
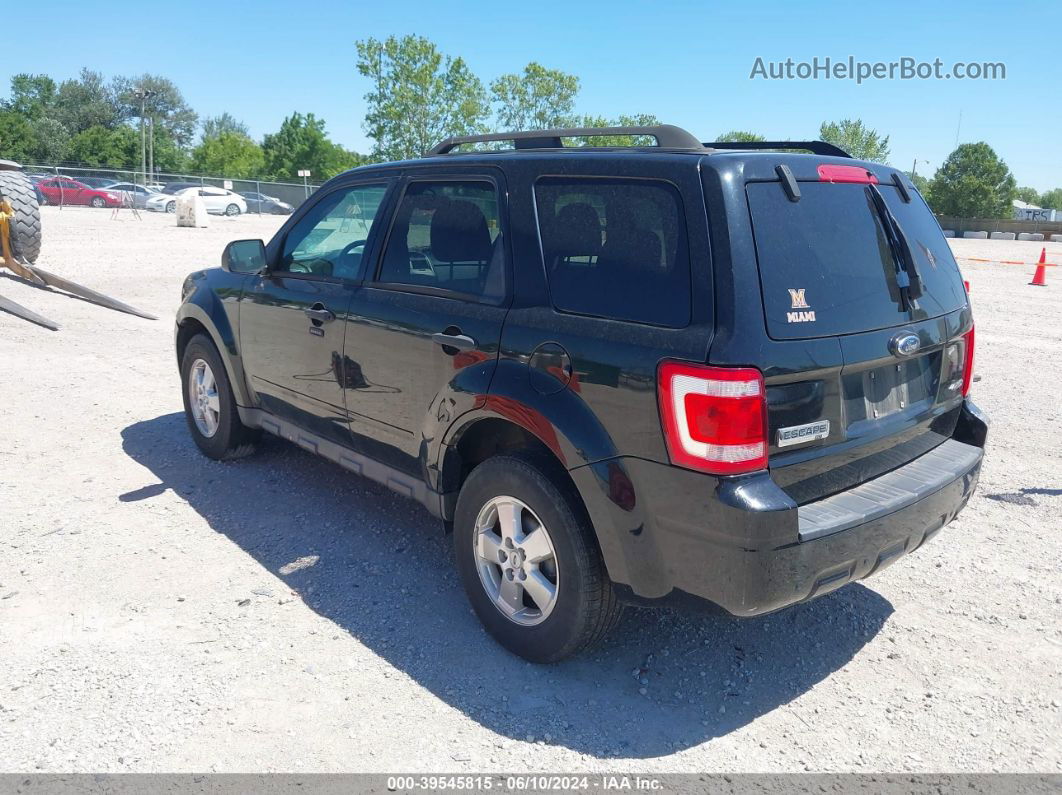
(516, 561)
(203, 398)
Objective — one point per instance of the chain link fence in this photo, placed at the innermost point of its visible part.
(290, 193)
(960, 225)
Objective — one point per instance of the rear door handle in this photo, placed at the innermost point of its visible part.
(319, 314)
(459, 341)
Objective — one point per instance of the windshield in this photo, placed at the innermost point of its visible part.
(826, 266)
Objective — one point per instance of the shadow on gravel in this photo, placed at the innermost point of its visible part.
(1021, 497)
(384, 573)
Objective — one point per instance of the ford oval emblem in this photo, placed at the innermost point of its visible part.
(905, 344)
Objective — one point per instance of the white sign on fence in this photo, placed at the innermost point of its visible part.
(304, 172)
(227, 184)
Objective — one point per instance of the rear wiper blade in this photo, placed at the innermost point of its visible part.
(910, 264)
(907, 277)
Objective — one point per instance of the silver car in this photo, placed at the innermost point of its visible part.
(132, 195)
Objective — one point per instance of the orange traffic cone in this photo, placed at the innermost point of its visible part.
(1040, 277)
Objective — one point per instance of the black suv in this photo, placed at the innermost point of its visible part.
(646, 374)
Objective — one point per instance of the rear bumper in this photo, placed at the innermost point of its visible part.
(743, 545)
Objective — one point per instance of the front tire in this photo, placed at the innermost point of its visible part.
(25, 227)
(528, 560)
(171, 207)
(97, 202)
(232, 210)
(209, 404)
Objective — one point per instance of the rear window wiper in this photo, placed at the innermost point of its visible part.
(907, 277)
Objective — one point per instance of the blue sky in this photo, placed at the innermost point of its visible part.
(686, 62)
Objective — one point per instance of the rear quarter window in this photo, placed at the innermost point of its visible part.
(615, 249)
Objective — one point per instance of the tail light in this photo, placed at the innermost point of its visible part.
(714, 418)
(967, 366)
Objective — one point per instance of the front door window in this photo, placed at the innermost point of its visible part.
(329, 240)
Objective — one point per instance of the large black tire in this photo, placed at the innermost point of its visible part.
(26, 225)
(586, 606)
(231, 439)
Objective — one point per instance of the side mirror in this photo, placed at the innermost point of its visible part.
(244, 256)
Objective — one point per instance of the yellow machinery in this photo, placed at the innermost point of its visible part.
(20, 243)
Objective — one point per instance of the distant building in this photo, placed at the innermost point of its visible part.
(1023, 211)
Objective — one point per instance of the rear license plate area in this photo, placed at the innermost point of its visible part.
(898, 388)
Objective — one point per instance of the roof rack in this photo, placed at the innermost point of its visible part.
(667, 137)
(815, 147)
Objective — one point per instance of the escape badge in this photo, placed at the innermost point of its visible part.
(799, 302)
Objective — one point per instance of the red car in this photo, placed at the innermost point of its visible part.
(63, 190)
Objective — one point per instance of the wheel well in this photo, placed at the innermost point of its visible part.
(188, 329)
(490, 437)
(484, 439)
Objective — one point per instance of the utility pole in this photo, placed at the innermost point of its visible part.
(141, 94)
(151, 147)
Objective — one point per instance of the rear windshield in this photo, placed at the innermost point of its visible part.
(825, 263)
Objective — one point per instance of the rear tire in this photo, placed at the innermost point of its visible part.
(584, 607)
(26, 225)
(214, 421)
(171, 207)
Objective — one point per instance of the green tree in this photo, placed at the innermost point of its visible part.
(170, 157)
(302, 143)
(32, 96)
(1052, 199)
(17, 140)
(418, 96)
(166, 105)
(921, 183)
(856, 139)
(85, 102)
(1028, 195)
(229, 154)
(99, 146)
(225, 123)
(972, 183)
(51, 140)
(537, 99)
(741, 135)
(29, 132)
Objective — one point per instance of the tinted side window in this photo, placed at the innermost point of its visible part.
(447, 235)
(615, 249)
(330, 239)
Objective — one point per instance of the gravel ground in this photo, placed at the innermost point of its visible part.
(162, 612)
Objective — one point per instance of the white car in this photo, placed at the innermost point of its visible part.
(217, 200)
